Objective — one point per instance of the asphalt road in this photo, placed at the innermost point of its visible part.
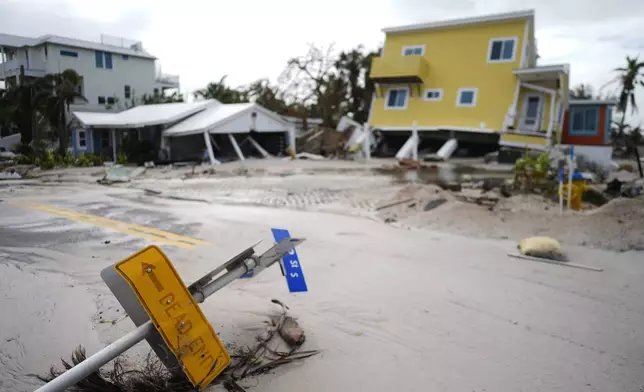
(392, 309)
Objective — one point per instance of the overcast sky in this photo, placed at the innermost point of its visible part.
(203, 40)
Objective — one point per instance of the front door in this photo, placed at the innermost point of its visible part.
(532, 110)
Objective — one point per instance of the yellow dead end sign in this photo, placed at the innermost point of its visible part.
(175, 314)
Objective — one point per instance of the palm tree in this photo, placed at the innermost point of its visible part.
(221, 92)
(629, 77)
(55, 93)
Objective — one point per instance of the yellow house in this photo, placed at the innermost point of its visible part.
(473, 79)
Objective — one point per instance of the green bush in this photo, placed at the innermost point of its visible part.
(88, 160)
(532, 174)
(121, 158)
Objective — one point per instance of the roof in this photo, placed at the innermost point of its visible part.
(542, 69)
(18, 41)
(144, 115)
(77, 43)
(219, 119)
(15, 41)
(592, 102)
(504, 17)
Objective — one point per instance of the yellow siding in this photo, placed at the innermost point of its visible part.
(527, 139)
(399, 67)
(457, 57)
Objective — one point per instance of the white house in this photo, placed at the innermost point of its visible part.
(113, 73)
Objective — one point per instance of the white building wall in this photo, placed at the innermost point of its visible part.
(244, 123)
(139, 73)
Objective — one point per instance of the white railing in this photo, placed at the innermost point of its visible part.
(168, 79)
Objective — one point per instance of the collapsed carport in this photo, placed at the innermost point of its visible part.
(229, 131)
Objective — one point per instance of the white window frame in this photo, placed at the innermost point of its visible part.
(433, 90)
(474, 100)
(422, 50)
(501, 60)
(78, 138)
(387, 107)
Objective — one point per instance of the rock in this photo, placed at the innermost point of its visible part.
(491, 157)
(433, 204)
(631, 189)
(594, 197)
(449, 186)
(291, 332)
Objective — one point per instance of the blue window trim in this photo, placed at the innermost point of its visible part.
(607, 128)
(99, 59)
(108, 60)
(584, 132)
(68, 53)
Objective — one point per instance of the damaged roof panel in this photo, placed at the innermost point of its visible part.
(144, 115)
(230, 118)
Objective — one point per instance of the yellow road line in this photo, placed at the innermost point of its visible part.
(141, 231)
(131, 226)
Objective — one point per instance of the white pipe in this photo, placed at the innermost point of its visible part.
(539, 88)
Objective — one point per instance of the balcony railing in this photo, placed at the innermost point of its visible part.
(167, 79)
(402, 69)
(11, 68)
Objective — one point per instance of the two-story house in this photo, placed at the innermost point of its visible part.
(475, 80)
(112, 74)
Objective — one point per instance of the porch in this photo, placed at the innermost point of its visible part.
(535, 119)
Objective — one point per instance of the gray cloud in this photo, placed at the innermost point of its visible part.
(41, 17)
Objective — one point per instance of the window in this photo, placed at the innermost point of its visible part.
(433, 94)
(128, 91)
(397, 98)
(125, 57)
(110, 100)
(82, 139)
(584, 121)
(416, 50)
(103, 60)
(502, 50)
(108, 60)
(68, 53)
(101, 100)
(99, 59)
(467, 97)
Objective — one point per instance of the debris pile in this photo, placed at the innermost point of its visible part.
(324, 141)
(280, 344)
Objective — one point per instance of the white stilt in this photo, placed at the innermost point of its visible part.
(211, 154)
(366, 143)
(236, 147)
(414, 134)
(259, 148)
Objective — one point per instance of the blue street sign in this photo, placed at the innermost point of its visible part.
(292, 268)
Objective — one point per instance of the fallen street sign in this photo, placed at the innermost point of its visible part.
(291, 263)
(175, 314)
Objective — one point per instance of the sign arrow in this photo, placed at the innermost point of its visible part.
(148, 269)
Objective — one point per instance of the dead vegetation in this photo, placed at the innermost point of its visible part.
(279, 345)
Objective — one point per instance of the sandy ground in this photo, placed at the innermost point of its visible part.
(427, 307)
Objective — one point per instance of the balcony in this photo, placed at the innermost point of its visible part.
(11, 68)
(399, 70)
(167, 80)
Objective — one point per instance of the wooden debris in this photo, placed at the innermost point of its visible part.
(565, 264)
